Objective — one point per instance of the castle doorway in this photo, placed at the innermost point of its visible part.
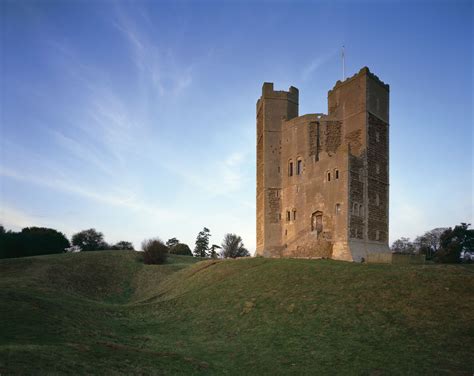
(317, 222)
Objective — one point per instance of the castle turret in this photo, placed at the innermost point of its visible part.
(273, 107)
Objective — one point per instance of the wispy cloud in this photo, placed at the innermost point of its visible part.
(159, 66)
(112, 198)
(14, 219)
(317, 63)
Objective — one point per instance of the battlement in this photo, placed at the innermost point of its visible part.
(362, 72)
(291, 95)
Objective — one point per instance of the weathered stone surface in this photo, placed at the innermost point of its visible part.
(322, 180)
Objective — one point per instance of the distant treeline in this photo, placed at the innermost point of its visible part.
(35, 241)
(31, 241)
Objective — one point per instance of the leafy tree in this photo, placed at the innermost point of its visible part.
(429, 242)
(123, 245)
(32, 241)
(202, 243)
(170, 243)
(403, 245)
(154, 251)
(232, 246)
(181, 249)
(89, 240)
(453, 241)
(212, 251)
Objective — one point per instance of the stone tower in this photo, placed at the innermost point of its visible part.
(322, 180)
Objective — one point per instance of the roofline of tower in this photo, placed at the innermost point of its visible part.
(362, 71)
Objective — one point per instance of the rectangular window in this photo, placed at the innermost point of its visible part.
(299, 167)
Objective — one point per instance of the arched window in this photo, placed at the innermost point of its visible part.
(294, 215)
(299, 167)
(290, 168)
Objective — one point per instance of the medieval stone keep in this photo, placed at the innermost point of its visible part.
(323, 180)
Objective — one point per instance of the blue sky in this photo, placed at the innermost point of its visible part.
(138, 119)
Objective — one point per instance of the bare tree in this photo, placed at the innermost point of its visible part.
(232, 247)
(429, 242)
(403, 245)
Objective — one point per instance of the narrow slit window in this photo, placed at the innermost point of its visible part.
(338, 209)
(288, 216)
(377, 199)
(329, 176)
(294, 215)
(290, 169)
(336, 174)
(299, 167)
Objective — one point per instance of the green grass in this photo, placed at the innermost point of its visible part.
(107, 313)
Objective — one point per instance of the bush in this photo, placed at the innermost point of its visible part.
(154, 251)
(181, 249)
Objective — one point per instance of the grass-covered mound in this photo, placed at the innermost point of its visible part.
(106, 312)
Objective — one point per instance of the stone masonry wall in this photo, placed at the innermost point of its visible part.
(377, 157)
(356, 197)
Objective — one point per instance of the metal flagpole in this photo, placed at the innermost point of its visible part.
(343, 65)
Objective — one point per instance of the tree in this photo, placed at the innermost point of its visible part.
(453, 241)
(428, 243)
(202, 243)
(32, 241)
(212, 251)
(403, 245)
(154, 251)
(89, 240)
(123, 245)
(170, 243)
(232, 246)
(181, 249)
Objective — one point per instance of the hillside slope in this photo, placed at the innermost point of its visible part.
(106, 312)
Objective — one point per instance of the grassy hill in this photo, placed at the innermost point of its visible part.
(107, 313)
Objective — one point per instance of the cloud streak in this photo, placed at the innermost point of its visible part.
(317, 63)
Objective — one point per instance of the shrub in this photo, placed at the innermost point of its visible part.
(181, 249)
(154, 251)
